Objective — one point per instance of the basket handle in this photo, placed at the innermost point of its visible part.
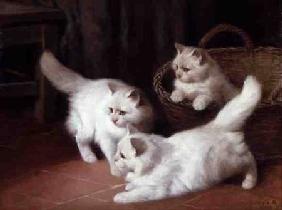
(276, 95)
(248, 43)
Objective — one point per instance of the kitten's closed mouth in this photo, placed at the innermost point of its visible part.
(119, 126)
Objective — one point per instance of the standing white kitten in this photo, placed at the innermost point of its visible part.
(199, 78)
(192, 160)
(100, 110)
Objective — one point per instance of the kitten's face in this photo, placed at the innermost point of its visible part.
(128, 150)
(189, 64)
(122, 108)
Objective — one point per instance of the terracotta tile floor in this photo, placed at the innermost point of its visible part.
(40, 168)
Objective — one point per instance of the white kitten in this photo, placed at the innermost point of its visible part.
(191, 160)
(100, 110)
(129, 157)
(199, 78)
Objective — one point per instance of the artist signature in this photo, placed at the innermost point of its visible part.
(269, 203)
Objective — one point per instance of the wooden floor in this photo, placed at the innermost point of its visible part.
(40, 168)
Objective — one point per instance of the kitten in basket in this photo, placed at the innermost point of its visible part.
(157, 167)
(199, 78)
(100, 110)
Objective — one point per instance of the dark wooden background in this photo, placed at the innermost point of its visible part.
(129, 39)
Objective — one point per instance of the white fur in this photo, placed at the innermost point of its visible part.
(100, 110)
(190, 160)
(203, 83)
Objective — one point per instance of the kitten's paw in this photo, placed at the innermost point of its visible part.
(199, 104)
(176, 96)
(89, 158)
(121, 198)
(115, 171)
(129, 187)
(250, 180)
(248, 184)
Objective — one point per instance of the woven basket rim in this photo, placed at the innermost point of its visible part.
(164, 95)
(256, 49)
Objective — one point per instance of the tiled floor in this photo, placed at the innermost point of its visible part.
(40, 169)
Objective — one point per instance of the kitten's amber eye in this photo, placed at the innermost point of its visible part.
(122, 155)
(111, 110)
(122, 112)
(186, 69)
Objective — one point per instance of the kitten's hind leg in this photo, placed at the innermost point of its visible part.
(250, 179)
(86, 153)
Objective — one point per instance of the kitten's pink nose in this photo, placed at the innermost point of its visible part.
(178, 75)
(114, 121)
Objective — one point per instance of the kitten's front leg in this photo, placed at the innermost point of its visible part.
(129, 186)
(177, 96)
(138, 194)
(133, 180)
(201, 102)
(126, 197)
(109, 147)
(84, 146)
(130, 176)
(137, 172)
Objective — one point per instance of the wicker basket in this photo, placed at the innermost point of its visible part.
(237, 62)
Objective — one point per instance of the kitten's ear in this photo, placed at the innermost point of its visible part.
(179, 47)
(111, 88)
(201, 55)
(138, 145)
(134, 95)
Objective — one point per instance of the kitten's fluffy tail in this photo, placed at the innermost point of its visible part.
(60, 76)
(233, 115)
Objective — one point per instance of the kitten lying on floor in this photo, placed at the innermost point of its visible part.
(199, 78)
(191, 160)
(100, 110)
